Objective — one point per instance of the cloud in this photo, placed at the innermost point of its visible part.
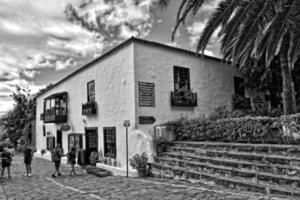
(38, 35)
(115, 19)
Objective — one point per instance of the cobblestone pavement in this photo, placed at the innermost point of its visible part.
(85, 186)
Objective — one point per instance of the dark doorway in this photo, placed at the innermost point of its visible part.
(59, 137)
(91, 142)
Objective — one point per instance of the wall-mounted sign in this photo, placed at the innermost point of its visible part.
(146, 120)
(126, 123)
(65, 127)
(146, 94)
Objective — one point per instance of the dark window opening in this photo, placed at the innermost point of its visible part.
(110, 147)
(44, 130)
(181, 78)
(50, 143)
(239, 87)
(91, 91)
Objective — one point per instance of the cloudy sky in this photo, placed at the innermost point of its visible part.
(40, 43)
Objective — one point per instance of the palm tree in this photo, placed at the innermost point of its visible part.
(252, 30)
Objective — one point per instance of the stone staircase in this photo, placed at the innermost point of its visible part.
(263, 168)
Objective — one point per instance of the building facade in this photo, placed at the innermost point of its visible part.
(144, 82)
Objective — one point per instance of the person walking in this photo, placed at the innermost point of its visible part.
(28, 155)
(56, 155)
(6, 157)
(71, 155)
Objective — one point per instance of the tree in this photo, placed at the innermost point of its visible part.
(20, 117)
(251, 31)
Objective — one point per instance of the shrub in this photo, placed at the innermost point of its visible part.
(139, 161)
(94, 158)
(244, 129)
(43, 151)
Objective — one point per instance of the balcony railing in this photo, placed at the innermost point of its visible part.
(89, 108)
(184, 99)
(55, 115)
(42, 117)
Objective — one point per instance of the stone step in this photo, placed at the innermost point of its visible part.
(253, 157)
(253, 175)
(235, 163)
(166, 171)
(285, 150)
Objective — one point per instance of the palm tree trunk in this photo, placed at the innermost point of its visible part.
(288, 96)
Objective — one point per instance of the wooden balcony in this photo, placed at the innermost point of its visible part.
(184, 99)
(89, 108)
(55, 115)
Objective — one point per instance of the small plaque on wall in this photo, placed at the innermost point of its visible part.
(146, 119)
(146, 94)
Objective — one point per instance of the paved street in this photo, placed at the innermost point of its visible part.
(84, 186)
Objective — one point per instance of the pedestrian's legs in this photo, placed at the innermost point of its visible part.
(73, 169)
(8, 171)
(29, 168)
(58, 165)
(2, 172)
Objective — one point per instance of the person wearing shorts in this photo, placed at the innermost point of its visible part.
(28, 155)
(6, 158)
(56, 158)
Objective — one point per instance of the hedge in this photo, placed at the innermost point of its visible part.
(245, 129)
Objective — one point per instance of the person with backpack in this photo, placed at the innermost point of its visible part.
(28, 155)
(6, 157)
(71, 155)
(56, 155)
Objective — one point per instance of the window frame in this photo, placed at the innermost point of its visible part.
(105, 148)
(239, 86)
(89, 95)
(178, 69)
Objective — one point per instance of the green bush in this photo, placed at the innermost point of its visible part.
(244, 129)
(139, 161)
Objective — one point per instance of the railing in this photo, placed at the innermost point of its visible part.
(55, 115)
(89, 108)
(184, 99)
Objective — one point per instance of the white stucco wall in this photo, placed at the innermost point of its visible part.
(212, 80)
(114, 88)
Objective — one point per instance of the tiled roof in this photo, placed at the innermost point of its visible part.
(129, 41)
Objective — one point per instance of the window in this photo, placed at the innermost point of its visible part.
(44, 131)
(110, 141)
(50, 143)
(239, 87)
(181, 78)
(91, 91)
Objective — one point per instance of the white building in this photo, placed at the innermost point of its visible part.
(138, 81)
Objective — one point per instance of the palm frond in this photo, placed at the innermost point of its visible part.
(294, 49)
(279, 28)
(254, 24)
(184, 9)
(230, 29)
(222, 13)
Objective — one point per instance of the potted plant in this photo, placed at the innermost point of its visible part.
(139, 162)
(94, 158)
(114, 162)
(43, 151)
(109, 156)
(105, 160)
